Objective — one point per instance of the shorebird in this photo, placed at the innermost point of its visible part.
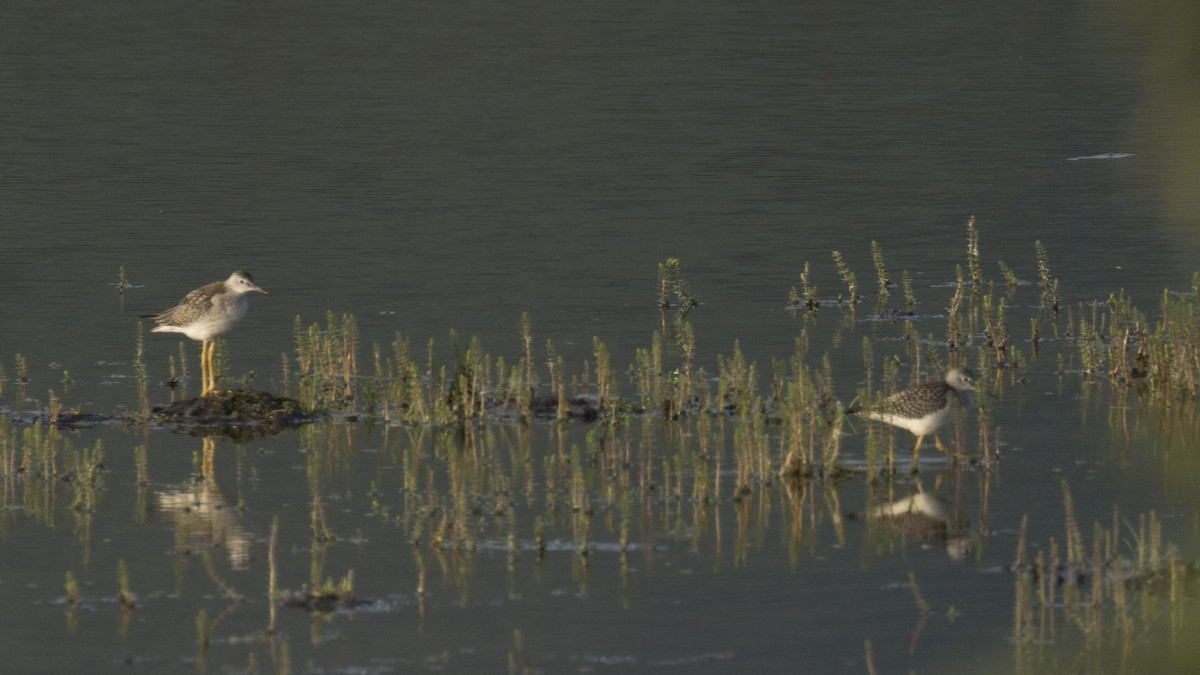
(925, 408)
(206, 313)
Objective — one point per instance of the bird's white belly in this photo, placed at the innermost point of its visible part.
(919, 426)
(211, 324)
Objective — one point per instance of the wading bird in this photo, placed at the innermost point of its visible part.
(204, 314)
(923, 409)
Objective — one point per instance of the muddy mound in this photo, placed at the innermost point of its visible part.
(237, 413)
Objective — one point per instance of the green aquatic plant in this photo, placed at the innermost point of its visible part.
(518, 662)
(327, 362)
(606, 384)
(1115, 340)
(671, 285)
(1108, 592)
(811, 419)
(341, 588)
(125, 597)
(995, 329)
(72, 588)
(954, 318)
(807, 295)
(737, 382)
(273, 593)
(644, 375)
(73, 601)
(680, 455)
(22, 369)
(910, 298)
(973, 265)
(1110, 340)
(85, 473)
(203, 634)
(53, 407)
(528, 384)
(847, 277)
(1034, 336)
(1010, 278)
(1049, 285)
(1172, 353)
(881, 274)
(557, 368)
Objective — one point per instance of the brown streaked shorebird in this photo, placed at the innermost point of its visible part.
(206, 313)
(925, 408)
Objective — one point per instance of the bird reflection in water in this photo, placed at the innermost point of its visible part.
(925, 519)
(202, 517)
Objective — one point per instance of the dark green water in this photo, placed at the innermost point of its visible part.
(437, 167)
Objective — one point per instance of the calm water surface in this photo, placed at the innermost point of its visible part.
(435, 168)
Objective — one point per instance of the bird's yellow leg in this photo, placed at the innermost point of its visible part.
(205, 368)
(212, 371)
(946, 451)
(917, 452)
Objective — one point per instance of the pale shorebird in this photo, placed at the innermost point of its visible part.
(206, 313)
(925, 408)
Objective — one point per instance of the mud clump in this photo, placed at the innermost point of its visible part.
(546, 407)
(237, 413)
(324, 603)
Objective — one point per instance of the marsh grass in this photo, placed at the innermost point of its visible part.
(22, 369)
(327, 362)
(1106, 596)
(807, 297)
(910, 297)
(1011, 282)
(881, 274)
(766, 444)
(973, 265)
(847, 278)
(995, 329)
(672, 288)
(956, 330)
(1111, 340)
(1115, 341)
(755, 425)
(1049, 284)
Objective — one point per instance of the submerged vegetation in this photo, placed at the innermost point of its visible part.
(409, 384)
(670, 447)
(1124, 598)
(413, 383)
